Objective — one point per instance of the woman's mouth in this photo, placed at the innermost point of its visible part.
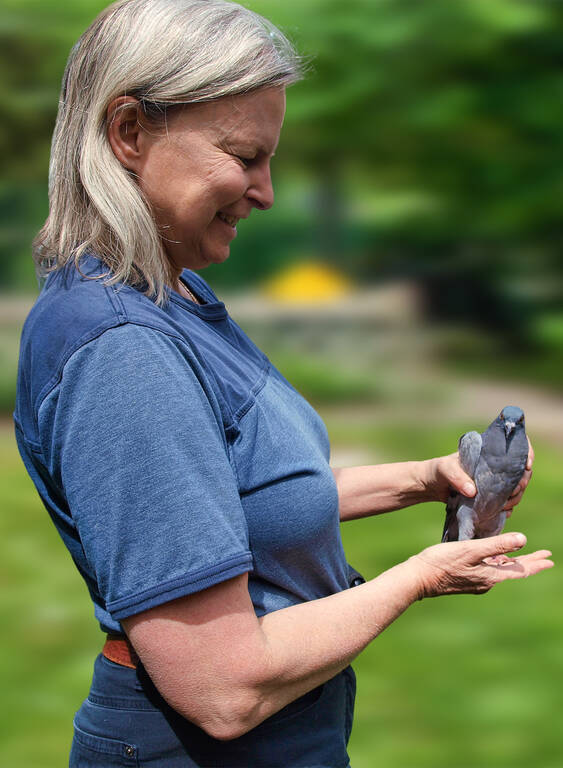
(232, 221)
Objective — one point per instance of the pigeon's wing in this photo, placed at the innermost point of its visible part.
(469, 452)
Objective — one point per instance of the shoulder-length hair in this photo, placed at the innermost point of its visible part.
(162, 52)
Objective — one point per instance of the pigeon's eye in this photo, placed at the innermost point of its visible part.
(502, 415)
(520, 420)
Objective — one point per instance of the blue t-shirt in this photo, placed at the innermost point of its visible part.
(169, 452)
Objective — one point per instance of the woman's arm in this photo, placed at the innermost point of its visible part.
(226, 670)
(371, 490)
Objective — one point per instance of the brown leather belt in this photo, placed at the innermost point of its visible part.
(118, 649)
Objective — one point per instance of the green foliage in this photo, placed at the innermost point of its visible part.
(457, 99)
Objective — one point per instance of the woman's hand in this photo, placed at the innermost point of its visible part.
(445, 472)
(442, 474)
(473, 567)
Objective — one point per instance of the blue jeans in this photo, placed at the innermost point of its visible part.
(125, 722)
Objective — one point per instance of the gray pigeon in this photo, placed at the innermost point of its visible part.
(496, 461)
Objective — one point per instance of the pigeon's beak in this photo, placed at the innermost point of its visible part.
(509, 428)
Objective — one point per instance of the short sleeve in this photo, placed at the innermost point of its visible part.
(137, 440)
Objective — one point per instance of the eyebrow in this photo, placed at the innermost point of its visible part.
(242, 145)
(229, 137)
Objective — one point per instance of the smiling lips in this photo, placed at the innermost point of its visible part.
(232, 221)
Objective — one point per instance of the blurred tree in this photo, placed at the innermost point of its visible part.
(35, 37)
(456, 105)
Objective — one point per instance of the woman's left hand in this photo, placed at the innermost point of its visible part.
(446, 473)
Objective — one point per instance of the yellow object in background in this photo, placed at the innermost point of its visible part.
(307, 281)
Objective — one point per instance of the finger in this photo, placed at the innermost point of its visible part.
(502, 560)
(516, 495)
(496, 545)
(513, 501)
(520, 567)
(502, 568)
(540, 554)
(523, 483)
(527, 476)
(518, 490)
(458, 478)
(530, 455)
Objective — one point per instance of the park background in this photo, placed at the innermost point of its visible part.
(419, 188)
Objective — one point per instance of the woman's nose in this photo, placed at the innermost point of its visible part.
(260, 190)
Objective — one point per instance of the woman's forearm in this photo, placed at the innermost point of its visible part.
(371, 490)
(227, 671)
(309, 643)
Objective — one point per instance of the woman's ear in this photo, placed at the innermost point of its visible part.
(123, 131)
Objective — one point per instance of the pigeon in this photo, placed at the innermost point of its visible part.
(496, 461)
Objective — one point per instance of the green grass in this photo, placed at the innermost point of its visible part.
(458, 682)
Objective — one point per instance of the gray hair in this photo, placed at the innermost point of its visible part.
(163, 52)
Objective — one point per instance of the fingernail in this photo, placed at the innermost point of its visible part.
(468, 489)
(519, 540)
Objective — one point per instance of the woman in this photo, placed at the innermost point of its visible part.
(188, 479)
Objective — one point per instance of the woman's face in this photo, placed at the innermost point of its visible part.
(208, 168)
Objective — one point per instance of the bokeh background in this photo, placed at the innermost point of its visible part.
(409, 281)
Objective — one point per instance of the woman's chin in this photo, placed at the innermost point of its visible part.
(217, 256)
(204, 258)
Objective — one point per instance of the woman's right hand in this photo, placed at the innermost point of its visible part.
(473, 567)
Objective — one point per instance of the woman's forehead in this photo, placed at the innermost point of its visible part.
(254, 117)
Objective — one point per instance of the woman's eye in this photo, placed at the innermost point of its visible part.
(244, 160)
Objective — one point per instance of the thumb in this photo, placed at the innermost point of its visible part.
(459, 479)
(499, 545)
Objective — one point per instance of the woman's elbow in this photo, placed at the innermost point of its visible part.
(225, 717)
(226, 730)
